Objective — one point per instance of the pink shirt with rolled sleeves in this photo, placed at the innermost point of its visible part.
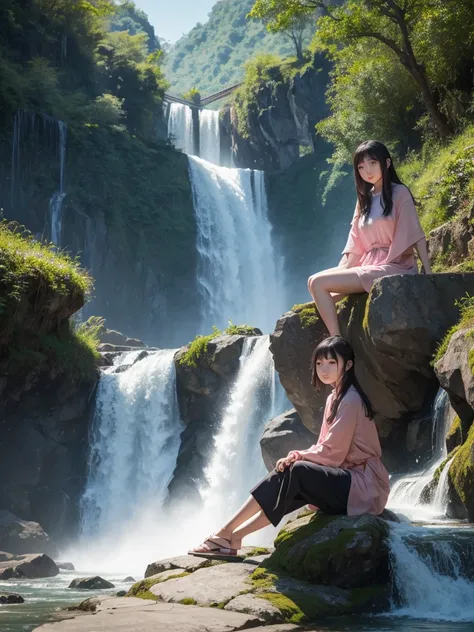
(384, 245)
(351, 442)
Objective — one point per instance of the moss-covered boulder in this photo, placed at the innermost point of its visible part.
(343, 551)
(205, 371)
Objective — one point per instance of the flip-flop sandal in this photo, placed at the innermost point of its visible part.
(217, 551)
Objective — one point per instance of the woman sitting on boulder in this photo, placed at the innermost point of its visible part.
(341, 474)
(385, 229)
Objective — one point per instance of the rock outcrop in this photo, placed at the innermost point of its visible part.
(282, 434)
(202, 386)
(23, 536)
(30, 566)
(395, 332)
(91, 583)
(282, 118)
(452, 242)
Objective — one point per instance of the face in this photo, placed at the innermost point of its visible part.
(330, 371)
(370, 170)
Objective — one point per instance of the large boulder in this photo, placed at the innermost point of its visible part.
(91, 583)
(29, 566)
(342, 551)
(455, 375)
(282, 434)
(24, 536)
(461, 475)
(394, 331)
(9, 598)
(203, 385)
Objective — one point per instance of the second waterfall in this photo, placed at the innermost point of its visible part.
(239, 273)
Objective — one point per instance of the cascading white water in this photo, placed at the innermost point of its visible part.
(440, 499)
(238, 270)
(134, 443)
(180, 127)
(406, 493)
(57, 199)
(432, 573)
(209, 138)
(236, 464)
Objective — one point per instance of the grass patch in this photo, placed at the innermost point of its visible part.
(307, 313)
(258, 550)
(466, 320)
(198, 347)
(442, 178)
(188, 601)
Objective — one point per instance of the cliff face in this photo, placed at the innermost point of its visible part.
(124, 207)
(281, 120)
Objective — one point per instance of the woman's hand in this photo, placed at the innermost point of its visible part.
(287, 461)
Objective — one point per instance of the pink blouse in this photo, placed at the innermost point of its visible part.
(351, 442)
(396, 234)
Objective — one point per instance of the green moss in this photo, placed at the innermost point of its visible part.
(142, 588)
(461, 472)
(262, 579)
(454, 428)
(188, 601)
(441, 466)
(258, 550)
(290, 611)
(239, 330)
(198, 348)
(466, 321)
(307, 313)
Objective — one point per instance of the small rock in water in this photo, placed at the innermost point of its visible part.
(130, 579)
(90, 583)
(65, 566)
(121, 593)
(10, 598)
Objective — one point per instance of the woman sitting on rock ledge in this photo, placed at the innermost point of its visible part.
(385, 229)
(341, 474)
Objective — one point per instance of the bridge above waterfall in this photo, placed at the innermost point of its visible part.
(202, 103)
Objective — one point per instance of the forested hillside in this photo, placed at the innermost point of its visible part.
(212, 55)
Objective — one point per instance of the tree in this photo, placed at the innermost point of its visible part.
(294, 26)
(397, 25)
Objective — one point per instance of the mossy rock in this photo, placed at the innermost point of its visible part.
(141, 589)
(308, 314)
(454, 434)
(349, 552)
(461, 473)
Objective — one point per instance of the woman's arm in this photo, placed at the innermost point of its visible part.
(422, 250)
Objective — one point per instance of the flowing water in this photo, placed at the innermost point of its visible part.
(239, 272)
(57, 199)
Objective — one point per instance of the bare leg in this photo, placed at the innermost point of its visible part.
(258, 521)
(335, 281)
(248, 509)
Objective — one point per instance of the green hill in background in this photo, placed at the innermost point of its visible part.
(212, 55)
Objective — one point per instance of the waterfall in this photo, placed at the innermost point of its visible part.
(180, 127)
(134, 442)
(406, 493)
(432, 573)
(56, 201)
(236, 464)
(238, 272)
(209, 148)
(440, 499)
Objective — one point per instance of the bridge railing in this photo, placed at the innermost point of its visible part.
(206, 101)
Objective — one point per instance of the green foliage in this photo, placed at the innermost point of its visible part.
(259, 71)
(258, 550)
(442, 178)
(239, 330)
(212, 55)
(193, 96)
(188, 601)
(198, 348)
(442, 465)
(466, 321)
(307, 313)
(59, 58)
(129, 18)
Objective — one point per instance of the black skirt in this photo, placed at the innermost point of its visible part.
(300, 484)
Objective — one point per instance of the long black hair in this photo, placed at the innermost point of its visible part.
(374, 150)
(337, 348)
